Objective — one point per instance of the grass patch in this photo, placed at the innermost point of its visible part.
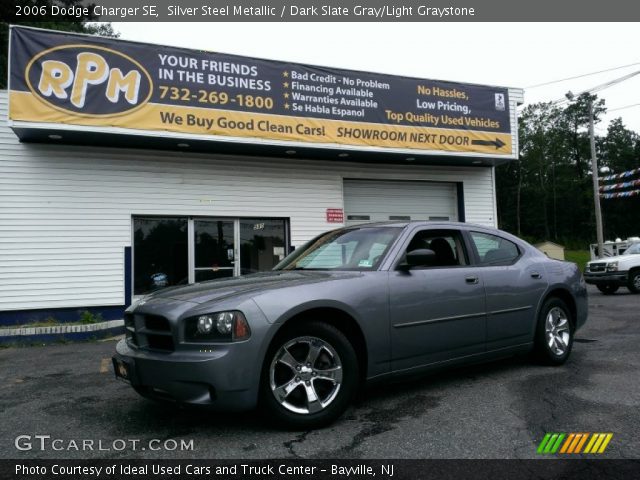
(47, 322)
(580, 257)
(85, 318)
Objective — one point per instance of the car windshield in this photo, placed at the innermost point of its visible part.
(633, 249)
(347, 249)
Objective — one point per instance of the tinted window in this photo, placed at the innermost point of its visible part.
(447, 245)
(160, 253)
(494, 250)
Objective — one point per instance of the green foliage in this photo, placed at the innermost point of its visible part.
(67, 24)
(579, 257)
(87, 317)
(548, 194)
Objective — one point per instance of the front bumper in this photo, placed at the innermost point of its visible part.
(223, 377)
(602, 278)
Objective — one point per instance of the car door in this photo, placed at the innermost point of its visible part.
(513, 285)
(437, 313)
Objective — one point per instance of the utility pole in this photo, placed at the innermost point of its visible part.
(596, 186)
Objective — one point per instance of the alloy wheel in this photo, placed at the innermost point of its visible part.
(557, 331)
(305, 375)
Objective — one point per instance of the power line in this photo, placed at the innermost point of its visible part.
(622, 108)
(583, 75)
(602, 86)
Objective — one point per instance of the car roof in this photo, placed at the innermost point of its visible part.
(425, 223)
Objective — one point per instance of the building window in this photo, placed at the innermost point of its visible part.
(179, 250)
(262, 244)
(160, 248)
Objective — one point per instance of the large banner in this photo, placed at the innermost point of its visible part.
(86, 81)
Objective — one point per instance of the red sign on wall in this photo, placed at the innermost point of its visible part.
(335, 215)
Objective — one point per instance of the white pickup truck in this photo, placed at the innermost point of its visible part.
(610, 273)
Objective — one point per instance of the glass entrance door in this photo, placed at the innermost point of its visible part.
(214, 252)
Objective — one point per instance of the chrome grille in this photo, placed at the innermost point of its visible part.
(597, 267)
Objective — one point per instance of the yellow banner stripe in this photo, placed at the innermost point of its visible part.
(591, 442)
(605, 442)
(582, 441)
(24, 106)
(567, 442)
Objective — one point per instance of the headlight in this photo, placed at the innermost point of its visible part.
(612, 267)
(217, 327)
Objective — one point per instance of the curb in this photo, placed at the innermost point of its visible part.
(45, 335)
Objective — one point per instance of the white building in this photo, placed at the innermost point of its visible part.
(85, 225)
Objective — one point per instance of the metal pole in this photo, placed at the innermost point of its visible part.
(596, 187)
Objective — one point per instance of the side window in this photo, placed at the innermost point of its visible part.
(447, 245)
(494, 250)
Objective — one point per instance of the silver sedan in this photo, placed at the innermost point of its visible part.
(352, 306)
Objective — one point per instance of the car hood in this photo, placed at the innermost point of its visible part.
(255, 283)
(617, 258)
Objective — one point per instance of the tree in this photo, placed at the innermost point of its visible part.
(547, 194)
(619, 151)
(82, 24)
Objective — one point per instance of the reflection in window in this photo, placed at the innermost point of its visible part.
(160, 253)
(262, 244)
(214, 253)
(345, 249)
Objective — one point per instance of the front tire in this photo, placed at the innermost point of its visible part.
(554, 333)
(634, 281)
(310, 376)
(607, 288)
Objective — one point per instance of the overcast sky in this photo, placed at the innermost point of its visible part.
(504, 54)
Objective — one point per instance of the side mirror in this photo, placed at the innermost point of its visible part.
(422, 257)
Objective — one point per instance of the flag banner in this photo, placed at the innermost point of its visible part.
(619, 186)
(629, 193)
(616, 176)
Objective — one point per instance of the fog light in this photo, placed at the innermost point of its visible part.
(205, 324)
(224, 323)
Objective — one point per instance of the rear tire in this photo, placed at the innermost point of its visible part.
(310, 376)
(608, 288)
(634, 281)
(554, 333)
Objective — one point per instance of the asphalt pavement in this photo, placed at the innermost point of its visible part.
(65, 398)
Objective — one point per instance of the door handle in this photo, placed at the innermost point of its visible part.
(471, 279)
(536, 275)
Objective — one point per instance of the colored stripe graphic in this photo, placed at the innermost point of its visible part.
(582, 442)
(543, 443)
(551, 442)
(572, 443)
(567, 443)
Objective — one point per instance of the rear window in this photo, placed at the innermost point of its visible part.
(494, 250)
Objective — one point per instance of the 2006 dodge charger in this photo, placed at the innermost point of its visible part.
(353, 305)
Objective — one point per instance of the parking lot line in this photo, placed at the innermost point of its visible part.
(104, 365)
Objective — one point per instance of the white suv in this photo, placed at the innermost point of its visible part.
(608, 274)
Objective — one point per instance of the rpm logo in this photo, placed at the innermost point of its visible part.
(89, 80)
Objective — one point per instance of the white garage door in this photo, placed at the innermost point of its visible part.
(383, 200)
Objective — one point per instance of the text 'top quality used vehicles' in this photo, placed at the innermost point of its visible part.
(353, 305)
